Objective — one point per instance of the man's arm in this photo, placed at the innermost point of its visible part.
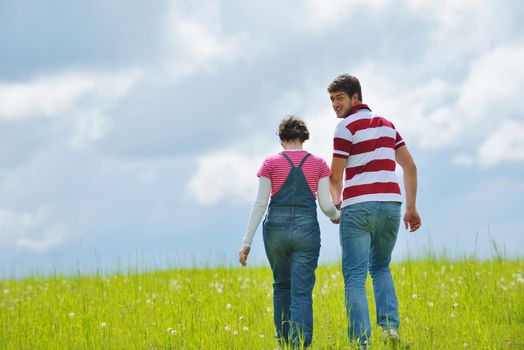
(335, 180)
(404, 159)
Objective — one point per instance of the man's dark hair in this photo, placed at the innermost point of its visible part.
(346, 83)
(292, 128)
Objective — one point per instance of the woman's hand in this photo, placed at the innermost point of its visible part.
(242, 255)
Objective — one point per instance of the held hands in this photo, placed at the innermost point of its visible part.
(242, 255)
(412, 220)
(337, 221)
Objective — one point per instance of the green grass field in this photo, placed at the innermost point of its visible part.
(444, 305)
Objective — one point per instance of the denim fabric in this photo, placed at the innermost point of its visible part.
(368, 232)
(292, 242)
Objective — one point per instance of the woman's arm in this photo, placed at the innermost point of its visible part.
(257, 212)
(324, 199)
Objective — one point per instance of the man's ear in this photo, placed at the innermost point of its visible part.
(354, 98)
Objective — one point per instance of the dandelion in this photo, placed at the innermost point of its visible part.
(103, 325)
(414, 296)
(148, 301)
(452, 315)
(430, 304)
(465, 345)
(228, 328)
(71, 314)
(235, 332)
(245, 328)
(228, 306)
(6, 291)
(261, 336)
(241, 318)
(173, 332)
(455, 304)
(268, 309)
(454, 295)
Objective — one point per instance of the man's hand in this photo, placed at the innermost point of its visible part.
(337, 221)
(242, 255)
(412, 220)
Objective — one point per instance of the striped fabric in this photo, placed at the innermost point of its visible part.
(276, 168)
(368, 142)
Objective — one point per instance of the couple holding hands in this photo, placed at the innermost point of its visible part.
(366, 205)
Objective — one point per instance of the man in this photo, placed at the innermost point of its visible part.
(367, 148)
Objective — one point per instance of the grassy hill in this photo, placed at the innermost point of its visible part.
(464, 304)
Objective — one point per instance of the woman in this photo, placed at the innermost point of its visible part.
(290, 229)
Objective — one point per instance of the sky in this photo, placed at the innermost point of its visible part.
(131, 132)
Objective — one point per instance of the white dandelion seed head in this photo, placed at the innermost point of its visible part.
(228, 306)
(103, 325)
(169, 329)
(228, 328)
(235, 332)
(173, 332)
(268, 309)
(148, 301)
(6, 291)
(430, 304)
(261, 336)
(245, 328)
(71, 314)
(465, 345)
(414, 296)
(452, 315)
(241, 318)
(455, 304)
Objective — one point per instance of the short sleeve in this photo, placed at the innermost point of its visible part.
(342, 141)
(324, 169)
(265, 169)
(399, 142)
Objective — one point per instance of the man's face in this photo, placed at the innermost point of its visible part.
(342, 103)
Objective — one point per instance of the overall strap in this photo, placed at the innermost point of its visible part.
(288, 159)
(303, 160)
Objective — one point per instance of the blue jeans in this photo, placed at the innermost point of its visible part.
(292, 242)
(368, 232)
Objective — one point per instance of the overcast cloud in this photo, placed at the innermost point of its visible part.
(137, 129)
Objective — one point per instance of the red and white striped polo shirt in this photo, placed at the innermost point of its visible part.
(368, 142)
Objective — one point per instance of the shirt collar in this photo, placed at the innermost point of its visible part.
(357, 108)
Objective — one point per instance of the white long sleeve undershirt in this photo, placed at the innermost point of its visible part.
(262, 199)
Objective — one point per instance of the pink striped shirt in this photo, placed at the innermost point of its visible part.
(368, 143)
(276, 167)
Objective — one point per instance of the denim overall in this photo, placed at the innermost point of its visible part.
(292, 241)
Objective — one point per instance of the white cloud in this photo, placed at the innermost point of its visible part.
(438, 114)
(321, 15)
(472, 26)
(505, 144)
(226, 174)
(61, 93)
(35, 232)
(196, 41)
